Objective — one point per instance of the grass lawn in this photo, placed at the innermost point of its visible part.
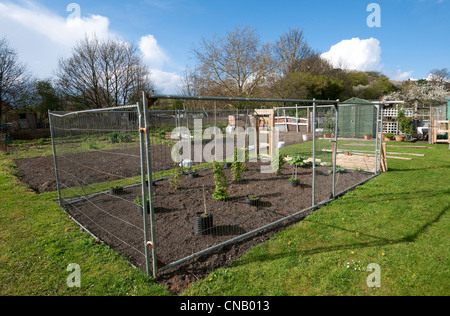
(398, 220)
(38, 241)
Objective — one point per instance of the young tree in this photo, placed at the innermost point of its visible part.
(46, 99)
(14, 79)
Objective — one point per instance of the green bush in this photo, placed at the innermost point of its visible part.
(220, 180)
(238, 166)
(277, 163)
(118, 137)
(174, 180)
(405, 124)
(298, 161)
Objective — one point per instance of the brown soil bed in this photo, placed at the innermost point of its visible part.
(116, 221)
(88, 167)
(100, 166)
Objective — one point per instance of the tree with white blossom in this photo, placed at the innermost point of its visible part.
(416, 93)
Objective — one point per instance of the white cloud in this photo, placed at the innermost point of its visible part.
(63, 31)
(152, 53)
(166, 82)
(363, 55)
(356, 54)
(155, 57)
(41, 37)
(399, 75)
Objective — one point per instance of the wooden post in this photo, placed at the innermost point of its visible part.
(257, 134)
(431, 127)
(384, 167)
(272, 128)
(308, 128)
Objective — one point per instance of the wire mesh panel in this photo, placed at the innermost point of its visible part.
(222, 170)
(244, 161)
(98, 168)
(359, 143)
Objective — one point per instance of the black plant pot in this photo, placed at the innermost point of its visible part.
(116, 191)
(252, 200)
(140, 209)
(294, 183)
(203, 223)
(227, 165)
(193, 175)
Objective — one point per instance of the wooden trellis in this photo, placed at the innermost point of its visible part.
(267, 117)
(441, 128)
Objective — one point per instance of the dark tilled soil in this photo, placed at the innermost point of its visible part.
(116, 220)
(88, 167)
(100, 166)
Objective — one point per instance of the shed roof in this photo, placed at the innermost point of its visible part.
(357, 101)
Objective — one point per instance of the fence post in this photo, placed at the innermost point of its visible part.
(55, 161)
(381, 105)
(336, 130)
(314, 154)
(150, 187)
(144, 187)
(376, 138)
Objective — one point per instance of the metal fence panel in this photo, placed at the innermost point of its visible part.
(100, 155)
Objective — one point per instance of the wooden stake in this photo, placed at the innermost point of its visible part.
(384, 166)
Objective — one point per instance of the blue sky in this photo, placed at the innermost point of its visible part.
(413, 39)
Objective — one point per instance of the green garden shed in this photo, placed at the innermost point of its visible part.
(448, 110)
(357, 117)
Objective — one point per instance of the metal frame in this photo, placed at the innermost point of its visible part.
(146, 171)
(149, 243)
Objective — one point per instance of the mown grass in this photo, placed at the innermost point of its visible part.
(398, 220)
(38, 241)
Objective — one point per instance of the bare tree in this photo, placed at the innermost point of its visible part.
(290, 49)
(103, 73)
(235, 65)
(14, 79)
(441, 76)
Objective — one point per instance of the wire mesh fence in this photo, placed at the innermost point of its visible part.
(220, 170)
(98, 167)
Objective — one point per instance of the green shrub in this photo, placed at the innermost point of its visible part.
(220, 180)
(174, 180)
(92, 144)
(339, 169)
(405, 124)
(237, 167)
(277, 163)
(298, 161)
(118, 137)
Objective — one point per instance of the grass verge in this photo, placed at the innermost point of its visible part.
(38, 242)
(398, 220)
